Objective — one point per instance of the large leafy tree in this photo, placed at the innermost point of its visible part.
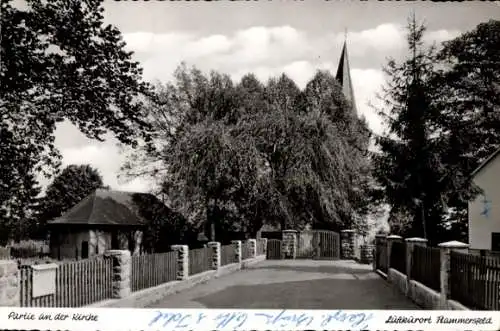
(240, 155)
(408, 164)
(443, 121)
(164, 228)
(71, 186)
(59, 61)
(468, 90)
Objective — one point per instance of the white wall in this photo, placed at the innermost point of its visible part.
(100, 241)
(68, 244)
(480, 226)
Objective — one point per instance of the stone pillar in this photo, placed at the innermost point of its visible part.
(252, 243)
(182, 261)
(122, 272)
(446, 249)
(215, 246)
(347, 244)
(289, 244)
(264, 244)
(410, 244)
(366, 253)
(237, 250)
(390, 239)
(9, 284)
(380, 240)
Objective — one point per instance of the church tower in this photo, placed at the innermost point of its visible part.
(344, 77)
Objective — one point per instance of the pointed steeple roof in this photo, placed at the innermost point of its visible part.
(344, 77)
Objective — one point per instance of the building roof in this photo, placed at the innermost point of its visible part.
(104, 207)
(485, 162)
(344, 77)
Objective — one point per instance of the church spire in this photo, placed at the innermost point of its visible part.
(344, 76)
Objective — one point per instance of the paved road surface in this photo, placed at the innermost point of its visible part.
(294, 284)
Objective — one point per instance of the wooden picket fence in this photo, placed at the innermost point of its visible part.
(398, 257)
(426, 266)
(77, 284)
(475, 281)
(227, 255)
(245, 250)
(274, 251)
(200, 260)
(153, 269)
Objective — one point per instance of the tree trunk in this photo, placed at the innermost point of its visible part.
(212, 231)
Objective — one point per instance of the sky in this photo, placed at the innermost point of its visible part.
(267, 38)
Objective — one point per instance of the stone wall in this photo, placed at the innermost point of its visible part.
(418, 292)
(121, 272)
(216, 251)
(237, 250)
(289, 244)
(184, 281)
(9, 284)
(347, 246)
(366, 252)
(122, 295)
(182, 261)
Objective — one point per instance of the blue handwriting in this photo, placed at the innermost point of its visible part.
(276, 319)
(224, 319)
(285, 318)
(354, 320)
(176, 320)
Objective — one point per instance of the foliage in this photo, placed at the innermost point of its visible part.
(164, 228)
(238, 156)
(408, 164)
(400, 222)
(71, 186)
(443, 121)
(53, 71)
(468, 86)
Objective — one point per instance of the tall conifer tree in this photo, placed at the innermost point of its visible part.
(407, 165)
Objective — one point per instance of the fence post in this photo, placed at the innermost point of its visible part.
(122, 272)
(289, 244)
(390, 239)
(182, 261)
(9, 284)
(215, 246)
(380, 239)
(347, 244)
(410, 244)
(446, 249)
(237, 250)
(253, 247)
(366, 253)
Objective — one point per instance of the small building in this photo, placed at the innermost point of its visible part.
(102, 221)
(484, 211)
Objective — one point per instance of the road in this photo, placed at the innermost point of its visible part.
(294, 284)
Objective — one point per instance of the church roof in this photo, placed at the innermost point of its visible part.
(105, 207)
(344, 77)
